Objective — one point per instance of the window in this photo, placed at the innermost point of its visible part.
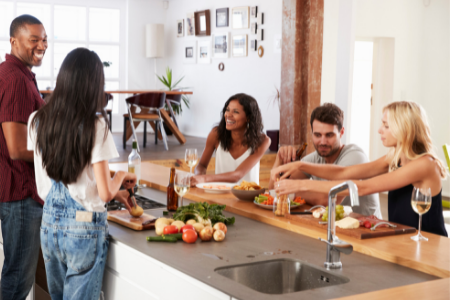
(71, 24)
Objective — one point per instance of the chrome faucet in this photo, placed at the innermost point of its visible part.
(334, 245)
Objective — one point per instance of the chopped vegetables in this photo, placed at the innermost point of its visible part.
(299, 200)
(264, 199)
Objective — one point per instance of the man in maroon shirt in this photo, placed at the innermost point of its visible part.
(21, 207)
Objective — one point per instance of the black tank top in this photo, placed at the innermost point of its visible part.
(400, 211)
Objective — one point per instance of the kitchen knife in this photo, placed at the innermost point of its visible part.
(133, 200)
(301, 213)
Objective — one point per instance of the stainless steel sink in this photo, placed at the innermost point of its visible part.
(281, 276)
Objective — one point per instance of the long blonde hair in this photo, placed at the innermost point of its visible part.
(408, 123)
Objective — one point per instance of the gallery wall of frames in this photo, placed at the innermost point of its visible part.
(243, 32)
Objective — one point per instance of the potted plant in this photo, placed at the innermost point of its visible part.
(167, 81)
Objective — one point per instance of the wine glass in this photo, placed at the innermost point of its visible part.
(421, 203)
(182, 185)
(191, 158)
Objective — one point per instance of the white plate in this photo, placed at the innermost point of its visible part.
(271, 206)
(215, 191)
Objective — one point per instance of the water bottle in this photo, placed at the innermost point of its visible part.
(134, 162)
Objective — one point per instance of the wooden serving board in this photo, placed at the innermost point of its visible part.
(124, 218)
(359, 233)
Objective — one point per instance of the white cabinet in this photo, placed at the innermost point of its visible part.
(130, 274)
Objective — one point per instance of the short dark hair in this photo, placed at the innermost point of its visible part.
(328, 113)
(20, 22)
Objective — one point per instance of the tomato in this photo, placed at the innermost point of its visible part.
(187, 227)
(189, 236)
(170, 229)
(367, 224)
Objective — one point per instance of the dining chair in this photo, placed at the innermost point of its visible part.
(175, 100)
(154, 102)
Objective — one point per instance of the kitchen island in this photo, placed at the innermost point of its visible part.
(252, 240)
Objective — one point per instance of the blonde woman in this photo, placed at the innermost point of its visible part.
(411, 162)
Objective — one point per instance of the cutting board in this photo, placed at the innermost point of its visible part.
(124, 218)
(359, 233)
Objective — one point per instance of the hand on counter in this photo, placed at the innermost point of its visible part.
(197, 179)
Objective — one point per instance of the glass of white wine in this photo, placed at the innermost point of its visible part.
(191, 158)
(182, 185)
(421, 203)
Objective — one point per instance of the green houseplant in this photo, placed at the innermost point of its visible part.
(167, 81)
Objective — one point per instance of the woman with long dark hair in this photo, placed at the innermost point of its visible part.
(72, 145)
(239, 143)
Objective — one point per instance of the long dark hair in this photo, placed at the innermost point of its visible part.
(254, 135)
(66, 125)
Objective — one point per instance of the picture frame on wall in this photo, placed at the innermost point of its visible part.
(202, 23)
(241, 17)
(260, 18)
(222, 17)
(253, 28)
(239, 45)
(204, 52)
(254, 45)
(260, 34)
(190, 52)
(180, 28)
(253, 12)
(190, 24)
(221, 45)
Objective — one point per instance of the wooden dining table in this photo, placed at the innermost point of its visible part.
(164, 114)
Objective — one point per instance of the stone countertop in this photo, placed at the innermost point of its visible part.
(252, 241)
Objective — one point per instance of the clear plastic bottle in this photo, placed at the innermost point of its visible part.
(134, 162)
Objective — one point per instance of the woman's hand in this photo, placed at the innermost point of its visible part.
(289, 186)
(286, 154)
(129, 181)
(124, 197)
(197, 179)
(285, 170)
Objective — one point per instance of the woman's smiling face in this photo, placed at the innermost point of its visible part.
(386, 136)
(235, 117)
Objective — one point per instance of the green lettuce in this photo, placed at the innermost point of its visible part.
(207, 214)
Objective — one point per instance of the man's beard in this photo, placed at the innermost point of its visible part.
(332, 151)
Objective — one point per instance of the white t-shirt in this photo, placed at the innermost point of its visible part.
(84, 191)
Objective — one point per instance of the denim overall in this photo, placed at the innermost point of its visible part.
(74, 246)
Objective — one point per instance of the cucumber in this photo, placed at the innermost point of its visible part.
(178, 236)
(163, 238)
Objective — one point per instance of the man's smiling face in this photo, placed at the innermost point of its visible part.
(29, 44)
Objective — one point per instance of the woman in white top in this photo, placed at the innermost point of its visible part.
(239, 143)
(71, 147)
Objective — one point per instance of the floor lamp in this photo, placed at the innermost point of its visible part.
(154, 42)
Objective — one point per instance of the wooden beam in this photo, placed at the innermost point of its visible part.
(301, 65)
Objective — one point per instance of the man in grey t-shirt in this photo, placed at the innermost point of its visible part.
(326, 125)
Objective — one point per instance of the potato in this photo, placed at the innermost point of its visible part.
(136, 212)
(179, 224)
(160, 224)
(198, 227)
(191, 222)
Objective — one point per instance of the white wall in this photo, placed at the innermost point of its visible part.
(421, 40)
(252, 75)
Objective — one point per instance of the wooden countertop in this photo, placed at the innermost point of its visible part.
(432, 257)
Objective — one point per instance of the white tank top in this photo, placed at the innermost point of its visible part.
(226, 163)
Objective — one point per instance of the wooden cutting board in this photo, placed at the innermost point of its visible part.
(124, 218)
(359, 233)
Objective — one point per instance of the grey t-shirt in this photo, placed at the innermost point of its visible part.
(350, 155)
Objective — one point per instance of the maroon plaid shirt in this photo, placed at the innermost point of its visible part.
(19, 97)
